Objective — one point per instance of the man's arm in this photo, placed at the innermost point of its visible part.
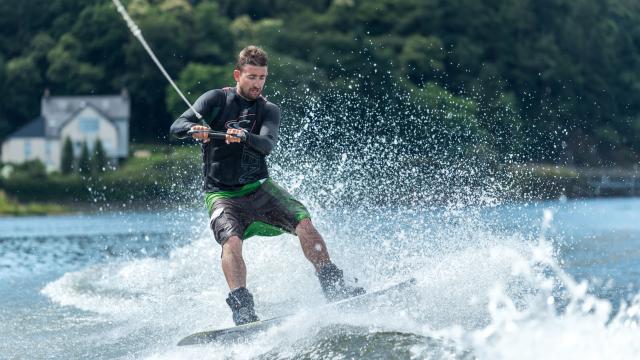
(204, 105)
(266, 140)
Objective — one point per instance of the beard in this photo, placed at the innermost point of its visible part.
(251, 93)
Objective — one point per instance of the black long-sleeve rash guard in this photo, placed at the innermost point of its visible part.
(229, 166)
(213, 100)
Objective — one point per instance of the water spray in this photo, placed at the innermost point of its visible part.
(135, 30)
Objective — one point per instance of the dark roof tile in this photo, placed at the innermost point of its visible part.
(33, 129)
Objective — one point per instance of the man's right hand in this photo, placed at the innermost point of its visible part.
(202, 136)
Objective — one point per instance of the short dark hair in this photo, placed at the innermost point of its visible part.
(251, 55)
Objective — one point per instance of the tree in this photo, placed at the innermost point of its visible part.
(421, 58)
(194, 80)
(25, 85)
(99, 160)
(68, 72)
(84, 164)
(66, 161)
(541, 73)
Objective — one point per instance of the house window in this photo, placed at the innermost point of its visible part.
(89, 125)
(27, 149)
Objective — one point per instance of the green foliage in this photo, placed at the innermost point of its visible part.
(23, 86)
(167, 173)
(262, 32)
(212, 35)
(288, 75)
(67, 158)
(99, 159)
(11, 207)
(195, 80)
(68, 71)
(32, 169)
(422, 58)
(84, 162)
(101, 44)
(539, 74)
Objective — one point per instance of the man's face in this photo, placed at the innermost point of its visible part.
(250, 80)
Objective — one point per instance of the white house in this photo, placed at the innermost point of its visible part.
(81, 119)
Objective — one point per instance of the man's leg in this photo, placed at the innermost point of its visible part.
(284, 211)
(330, 276)
(313, 246)
(235, 271)
(240, 299)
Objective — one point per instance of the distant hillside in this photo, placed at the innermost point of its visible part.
(554, 80)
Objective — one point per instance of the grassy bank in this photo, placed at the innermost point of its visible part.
(158, 176)
(155, 172)
(10, 207)
(544, 181)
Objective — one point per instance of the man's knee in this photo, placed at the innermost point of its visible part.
(305, 225)
(232, 246)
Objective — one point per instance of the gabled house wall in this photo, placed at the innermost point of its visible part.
(82, 119)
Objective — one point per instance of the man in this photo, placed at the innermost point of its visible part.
(242, 200)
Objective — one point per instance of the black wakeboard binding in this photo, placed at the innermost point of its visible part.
(333, 285)
(240, 301)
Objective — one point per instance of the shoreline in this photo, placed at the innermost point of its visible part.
(12, 208)
(529, 182)
(575, 182)
(49, 209)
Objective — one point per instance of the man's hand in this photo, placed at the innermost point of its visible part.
(240, 135)
(203, 136)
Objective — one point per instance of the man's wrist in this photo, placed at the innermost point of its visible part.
(244, 135)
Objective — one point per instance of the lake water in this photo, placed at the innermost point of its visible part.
(552, 280)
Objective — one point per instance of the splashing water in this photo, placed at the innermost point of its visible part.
(392, 202)
(490, 296)
(584, 328)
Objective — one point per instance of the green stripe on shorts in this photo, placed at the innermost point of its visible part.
(211, 197)
(290, 203)
(260, 228)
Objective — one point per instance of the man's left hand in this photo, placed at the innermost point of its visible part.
(240, 136)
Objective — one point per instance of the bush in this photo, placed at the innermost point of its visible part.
(161, 175)
(33, 169)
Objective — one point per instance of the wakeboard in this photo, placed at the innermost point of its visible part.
(245, 331)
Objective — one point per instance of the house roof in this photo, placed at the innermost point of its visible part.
(75, 113)
(35, 128)
(113, 106)
(58, 109)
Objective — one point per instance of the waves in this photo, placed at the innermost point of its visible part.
(492, 273)
(480, 294)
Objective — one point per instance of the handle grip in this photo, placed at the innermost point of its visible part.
(212, 134)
